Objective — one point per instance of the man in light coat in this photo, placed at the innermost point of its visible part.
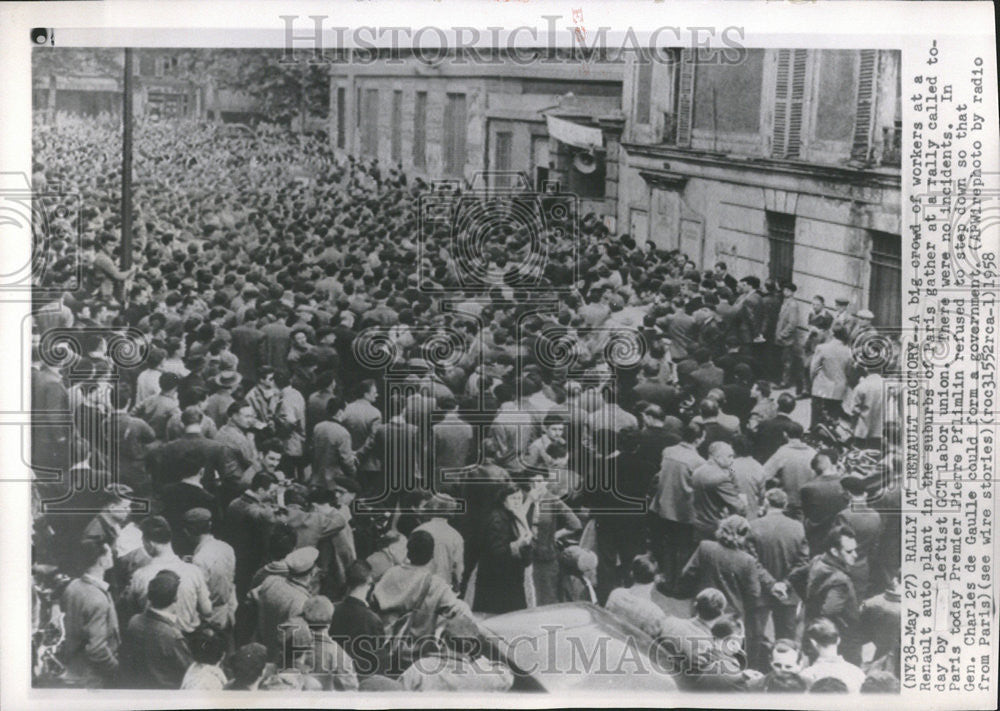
(333, 455)
(449, 546)
(829, 377)
(869, 397)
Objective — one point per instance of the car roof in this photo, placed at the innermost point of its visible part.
(578, 647)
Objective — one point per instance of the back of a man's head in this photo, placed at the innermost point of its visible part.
(823, 633)
(709, 603)
(318, 610)
(786, 403)
(162, 589)
(880, 682)
(358, 574)
(692, 432)
(420, 548)
(155, 529)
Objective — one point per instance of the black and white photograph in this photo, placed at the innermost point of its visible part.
(535, 370)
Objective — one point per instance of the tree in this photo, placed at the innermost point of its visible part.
(285, 90)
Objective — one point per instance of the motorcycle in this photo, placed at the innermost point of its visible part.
(48, 630)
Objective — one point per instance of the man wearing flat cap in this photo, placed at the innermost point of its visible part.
(308, 634)
(281, 597)
(841, 316)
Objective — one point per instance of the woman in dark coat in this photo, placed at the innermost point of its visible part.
(505, 554)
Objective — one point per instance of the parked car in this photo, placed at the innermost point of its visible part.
(576, 647)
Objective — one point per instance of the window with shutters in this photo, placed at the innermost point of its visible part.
(685, 98)
(789, 95)
(341, 116)
(672, 68)
(420, 130)
(369, 132)
(643, 88)
(864, 115)
(454, 137)
(397, 126)
(886, 282)
(892, 138)
(781, 235)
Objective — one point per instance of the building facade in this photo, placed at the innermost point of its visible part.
(783, 163)
(455, 120)
(158, 90)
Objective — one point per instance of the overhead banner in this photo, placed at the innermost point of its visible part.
(574, 134)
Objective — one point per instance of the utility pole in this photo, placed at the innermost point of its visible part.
(126, 255)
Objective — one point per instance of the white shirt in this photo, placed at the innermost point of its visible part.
(836, 667)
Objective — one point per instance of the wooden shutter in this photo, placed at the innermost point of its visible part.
(420, 129)
(865, 108)
(397, 126)
(789, 94)
(341, 116)
(455, 133)
(643, 88)
(685, 98)
(370, 133)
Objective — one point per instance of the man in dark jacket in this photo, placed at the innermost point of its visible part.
(822, 499)
(706, 376)
(770, 309)
(867, 526)
(780, 544)
(276, 338)
(828, 590)
(750, 311)
(671, 522)
(355, 626)
(181, 496)
(246, 345)
(771, 433)
(166, 461)
(154, 652)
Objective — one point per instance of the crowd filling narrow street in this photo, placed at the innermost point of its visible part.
(308, 449)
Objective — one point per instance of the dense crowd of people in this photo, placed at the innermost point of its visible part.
(304, 441)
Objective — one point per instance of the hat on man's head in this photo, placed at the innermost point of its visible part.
(197, 515)
(227, 379)
(439, 504)
(301, 560)
(842, 301)
(865, 314)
